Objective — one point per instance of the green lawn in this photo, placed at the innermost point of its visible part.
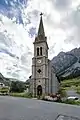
(78, 89)
(71, 84)
(25, 95)
(72, 102)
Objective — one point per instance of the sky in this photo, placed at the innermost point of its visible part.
(19, 22)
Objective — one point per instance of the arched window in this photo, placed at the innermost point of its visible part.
(37, 51)
(40, 50)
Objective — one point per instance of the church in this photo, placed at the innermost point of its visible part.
(43, 80)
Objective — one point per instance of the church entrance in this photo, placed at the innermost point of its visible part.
(39, 90)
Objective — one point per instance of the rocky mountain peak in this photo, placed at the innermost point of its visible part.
(67, 64)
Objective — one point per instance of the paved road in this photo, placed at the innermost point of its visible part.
(72, 93)
(27, 109)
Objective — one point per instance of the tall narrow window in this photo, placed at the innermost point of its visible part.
(37, 51)
(40, 50)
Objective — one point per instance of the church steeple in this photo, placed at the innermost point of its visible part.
(41, 34)
(41, 27)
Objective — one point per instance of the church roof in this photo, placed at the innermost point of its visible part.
(41, 27)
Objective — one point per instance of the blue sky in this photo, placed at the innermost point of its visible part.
(19, 21)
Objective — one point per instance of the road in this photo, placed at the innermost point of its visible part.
(72, 93)
(12, 108)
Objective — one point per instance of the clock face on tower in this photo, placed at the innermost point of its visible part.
(39, 61)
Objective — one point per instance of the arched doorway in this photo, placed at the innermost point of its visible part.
(39, 90)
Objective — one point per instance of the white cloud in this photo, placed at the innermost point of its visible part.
(16, 41)
(53, 19)
(60, 25)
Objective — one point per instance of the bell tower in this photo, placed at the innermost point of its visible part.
(40, 76)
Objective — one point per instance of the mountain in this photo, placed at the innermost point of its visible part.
(67, 64)
(18, 27)
(6, 81)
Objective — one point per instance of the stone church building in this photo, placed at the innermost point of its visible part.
(43, 80)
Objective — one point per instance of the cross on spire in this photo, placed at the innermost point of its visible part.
(41, 14)
(41, 27)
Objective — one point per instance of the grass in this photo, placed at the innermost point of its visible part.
(72, 102)
(24, 95)
(78, 90)
(28, 95)
(71, 84)
(65, 85)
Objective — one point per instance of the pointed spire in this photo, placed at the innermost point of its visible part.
(41, 27)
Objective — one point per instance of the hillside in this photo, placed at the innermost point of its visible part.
(6, 81)
(67, 64)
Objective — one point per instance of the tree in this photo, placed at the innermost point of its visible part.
(17, 86)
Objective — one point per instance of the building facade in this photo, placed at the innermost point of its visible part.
(43, 80)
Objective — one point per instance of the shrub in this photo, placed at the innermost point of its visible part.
(4, 90)
(17, 86)
(62, 92)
